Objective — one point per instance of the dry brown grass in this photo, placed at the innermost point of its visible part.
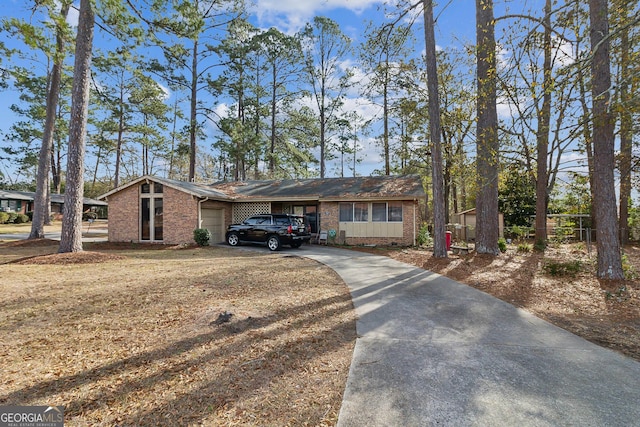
(130, 337)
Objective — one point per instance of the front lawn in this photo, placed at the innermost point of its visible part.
(129, 336)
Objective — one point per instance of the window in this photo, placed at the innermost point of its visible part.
(360, 212)
(379, 212)
(354, 212)
(10, 205)
(395, 211)
(282, 220)
(151, 212)
(387, 212)
(346, 212)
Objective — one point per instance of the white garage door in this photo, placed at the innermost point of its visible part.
(212, 220)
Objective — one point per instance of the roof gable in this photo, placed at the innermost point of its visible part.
(195, 189)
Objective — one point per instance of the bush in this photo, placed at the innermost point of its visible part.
(424, 238)
(502, 245)
(524, 248)
(12, 217)
(202, 236)
(540, 245)
(86, 216)
(4, 217)
(21, 219)
(558, 268)
(629, 272)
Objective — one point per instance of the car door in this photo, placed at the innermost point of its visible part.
(257, 232)
(244, 231)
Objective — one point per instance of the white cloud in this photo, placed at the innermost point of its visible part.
(565, 52)
(73, 15)
(291, 15)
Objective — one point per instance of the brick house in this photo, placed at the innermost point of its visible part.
(22, 202)
(362, 210)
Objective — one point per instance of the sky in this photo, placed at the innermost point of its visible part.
(455, 26)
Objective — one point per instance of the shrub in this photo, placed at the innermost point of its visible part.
(12, 217)
(21, 219)
(629, 272)
(558, 268)
(4, 217)
(86, 216)
(540, 245)
(502, 245)
(424, 238)
(524, 248)
(202, 236)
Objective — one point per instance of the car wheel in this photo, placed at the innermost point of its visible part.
(233, 239)
(296, 244)
(273, 243)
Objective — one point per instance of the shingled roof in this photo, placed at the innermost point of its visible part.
(195, 189)
(371, 187)
(55, 198)
(378, 187)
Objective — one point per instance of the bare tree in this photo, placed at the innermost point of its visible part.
(439, 243)
(608, 244)
(626, 84)
(41, 202)
(542, 134)
(488, 147)
(71, 237)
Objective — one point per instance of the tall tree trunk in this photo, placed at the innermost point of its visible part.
(116, 175)
(608, 244)
(626, 128)
(487, 227)
(448, 181)
(323, 129)
(439, 242)
(71, 236)
(272, 147)
(193, 125)
(41, 202)
(544, 118)
(385, 113)
(173, 138)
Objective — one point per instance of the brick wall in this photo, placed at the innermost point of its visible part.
(411, 225)
(124, 215)
(180, 216)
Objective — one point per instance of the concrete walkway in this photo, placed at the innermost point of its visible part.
(431, 351)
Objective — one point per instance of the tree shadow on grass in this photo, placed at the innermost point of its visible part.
(242, 373)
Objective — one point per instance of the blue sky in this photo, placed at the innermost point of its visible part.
(455, 26)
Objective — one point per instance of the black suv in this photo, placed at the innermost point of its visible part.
(273, 229)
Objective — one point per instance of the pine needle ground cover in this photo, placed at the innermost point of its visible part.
(131, 335)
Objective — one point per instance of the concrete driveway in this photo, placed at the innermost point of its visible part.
(431, 351)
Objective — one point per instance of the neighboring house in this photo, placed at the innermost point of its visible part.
(22, 202)
(362, 210)
(465, 225)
